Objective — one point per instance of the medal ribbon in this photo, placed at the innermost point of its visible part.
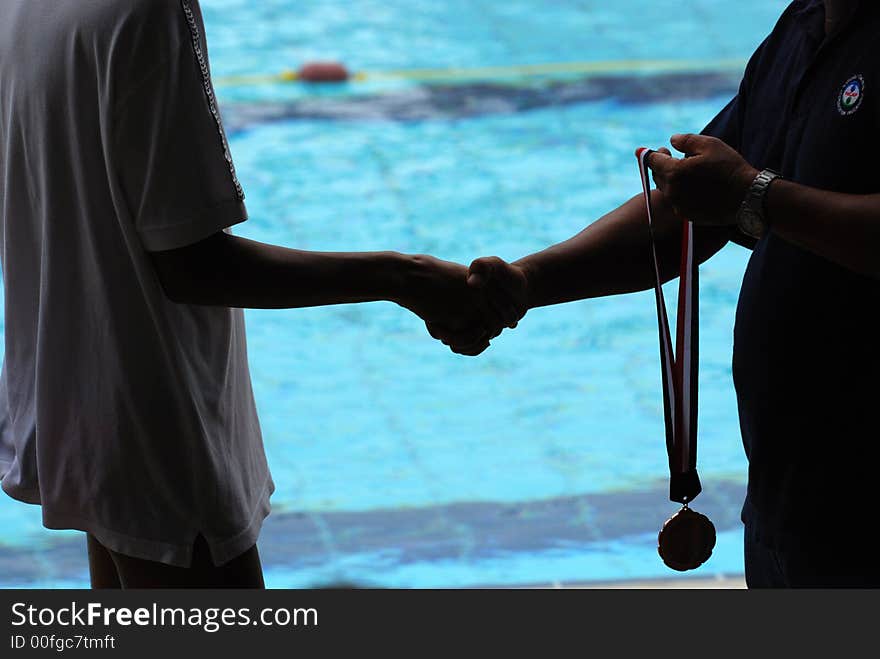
(678, 368)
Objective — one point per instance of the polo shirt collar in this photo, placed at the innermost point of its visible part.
(811, 15)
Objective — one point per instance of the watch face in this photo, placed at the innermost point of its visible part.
(750, 224)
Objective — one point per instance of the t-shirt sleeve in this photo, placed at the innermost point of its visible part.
(726, 125)
(171, 154)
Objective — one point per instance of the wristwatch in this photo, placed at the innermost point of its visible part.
(751, 218)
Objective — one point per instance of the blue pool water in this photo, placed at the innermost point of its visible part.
(398, 463)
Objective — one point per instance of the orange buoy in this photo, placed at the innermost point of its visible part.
(323, 72)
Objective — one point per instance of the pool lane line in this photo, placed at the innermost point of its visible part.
(470, 74)
(444, 102)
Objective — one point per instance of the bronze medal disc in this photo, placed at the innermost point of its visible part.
(686, 540)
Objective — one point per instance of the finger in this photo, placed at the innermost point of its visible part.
(500, 311)
(659, 181)
(484, 299)
(511, 316)
(691, 144)
(514, 297)
(467, 336)
(449, 336)
(481, 270)
(476, 331)
(460, 336)
(660, 163)
(476, 279)
(483, 276)
(435, 330)
(492, 276)
(471, 350)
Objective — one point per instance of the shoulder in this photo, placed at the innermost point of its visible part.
(156, 23)
(109, 13)
(151, 25)
(801, 16)
(144, 33)
(796, 17)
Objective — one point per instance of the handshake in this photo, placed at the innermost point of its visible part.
(465, 308)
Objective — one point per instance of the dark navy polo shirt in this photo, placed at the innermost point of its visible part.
(806, 358)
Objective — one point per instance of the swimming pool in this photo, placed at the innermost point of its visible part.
(398, 463)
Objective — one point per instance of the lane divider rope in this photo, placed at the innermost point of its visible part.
(469, 74)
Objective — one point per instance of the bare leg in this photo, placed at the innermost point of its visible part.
(102, 569)
(243, 571)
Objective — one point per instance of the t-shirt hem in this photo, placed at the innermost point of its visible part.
(25, 495)
(5, 466)
(222, 550)
(205, 223)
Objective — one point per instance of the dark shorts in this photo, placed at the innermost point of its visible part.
(847, 563)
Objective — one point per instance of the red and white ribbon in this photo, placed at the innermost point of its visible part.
(678, 367)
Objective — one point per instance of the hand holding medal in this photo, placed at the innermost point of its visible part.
(687, 539)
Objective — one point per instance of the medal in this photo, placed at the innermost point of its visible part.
(686, 540)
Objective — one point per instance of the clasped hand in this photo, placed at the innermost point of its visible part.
(708, 186)
(465, 308)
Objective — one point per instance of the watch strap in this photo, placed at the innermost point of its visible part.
(752, 216)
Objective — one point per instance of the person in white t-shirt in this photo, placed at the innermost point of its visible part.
(126, 408)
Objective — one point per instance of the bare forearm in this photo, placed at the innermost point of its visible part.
(839, 227)
(612, 255)
(237, 272)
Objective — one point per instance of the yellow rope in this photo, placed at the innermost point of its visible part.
(610, 67)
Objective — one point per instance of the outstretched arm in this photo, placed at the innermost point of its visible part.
(612, 255)
(226, 270)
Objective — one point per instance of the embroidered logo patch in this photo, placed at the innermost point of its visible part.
(851, 95)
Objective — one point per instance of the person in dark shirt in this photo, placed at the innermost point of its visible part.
(788, 169)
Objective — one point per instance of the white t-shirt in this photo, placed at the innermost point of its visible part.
(122, 413)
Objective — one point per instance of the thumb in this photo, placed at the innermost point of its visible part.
(690, 144)
(480, 271)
